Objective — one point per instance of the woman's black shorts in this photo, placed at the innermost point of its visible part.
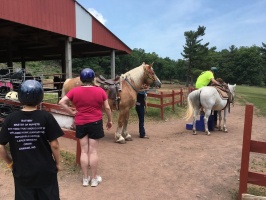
(94, 130)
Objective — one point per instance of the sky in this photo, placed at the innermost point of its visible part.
(159, 25)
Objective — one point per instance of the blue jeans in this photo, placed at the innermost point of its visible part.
(141, 112)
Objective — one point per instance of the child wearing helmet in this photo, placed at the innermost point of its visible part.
(206, 77)
(32, 137)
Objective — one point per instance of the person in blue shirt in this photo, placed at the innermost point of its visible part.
(141, 108)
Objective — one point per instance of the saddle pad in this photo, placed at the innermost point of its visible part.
(222, 93)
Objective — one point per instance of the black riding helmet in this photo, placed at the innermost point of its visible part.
(30, 93)
(87, 75)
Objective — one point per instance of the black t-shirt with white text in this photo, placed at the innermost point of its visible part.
(29, 135)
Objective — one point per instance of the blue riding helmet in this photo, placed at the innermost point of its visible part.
(30, 93)
(214, 69)
(87, 74)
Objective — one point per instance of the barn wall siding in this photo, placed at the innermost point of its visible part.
(83, 24)
(102, 36)
(52, 15)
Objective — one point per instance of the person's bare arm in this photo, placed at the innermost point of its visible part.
(64, 102)
(215, 82)
(109, 114)
(5, 156)
(56, 153)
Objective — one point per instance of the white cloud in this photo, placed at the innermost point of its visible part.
(97, 15)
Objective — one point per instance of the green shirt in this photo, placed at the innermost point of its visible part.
(204, 79)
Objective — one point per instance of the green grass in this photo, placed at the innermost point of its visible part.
(254, 95)
(68, 162)
(50, 98)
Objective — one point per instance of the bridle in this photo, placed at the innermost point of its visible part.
(148, 74)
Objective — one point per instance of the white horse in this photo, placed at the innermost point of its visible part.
(209, 98)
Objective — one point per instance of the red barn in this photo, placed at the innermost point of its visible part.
(32, 30)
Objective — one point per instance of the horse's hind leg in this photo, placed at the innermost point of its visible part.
(196, 113)
(206, 118)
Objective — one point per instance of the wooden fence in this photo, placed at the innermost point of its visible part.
(250, 146)
(175, 97)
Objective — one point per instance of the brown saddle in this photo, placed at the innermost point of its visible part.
(222, 91)
(112, 87)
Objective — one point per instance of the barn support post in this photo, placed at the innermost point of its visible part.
(23, 63)
(10, 56)
(173, 100)
(181, 97)
(68, 57)
(113, 64)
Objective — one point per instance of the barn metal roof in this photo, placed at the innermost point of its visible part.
(37, 30)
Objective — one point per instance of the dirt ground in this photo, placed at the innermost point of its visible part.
(172, 164)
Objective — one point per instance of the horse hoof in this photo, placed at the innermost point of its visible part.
(120, 140)
(194, 133)
(208, 133)
(129, 138)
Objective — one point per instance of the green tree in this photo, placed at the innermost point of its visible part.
(194, 51)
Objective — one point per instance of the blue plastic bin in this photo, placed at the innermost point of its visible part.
(200, 124)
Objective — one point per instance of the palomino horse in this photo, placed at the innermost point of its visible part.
(131, 83)
(209, 98)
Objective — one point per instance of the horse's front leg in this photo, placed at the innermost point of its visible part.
(220, 120)
(225, 115)
(125, 134)
(118, 135)
(206, 118)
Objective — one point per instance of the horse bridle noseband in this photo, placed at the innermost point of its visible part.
(147, 75)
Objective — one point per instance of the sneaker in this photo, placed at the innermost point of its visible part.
(145, 137)
(96, 181)
(86, 181)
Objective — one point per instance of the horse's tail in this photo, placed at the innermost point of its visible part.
(64, 88)
(192, 97)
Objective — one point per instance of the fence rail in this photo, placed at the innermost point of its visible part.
(176, 97)
(249, 145)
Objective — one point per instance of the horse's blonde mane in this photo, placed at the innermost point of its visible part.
(135, 74)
